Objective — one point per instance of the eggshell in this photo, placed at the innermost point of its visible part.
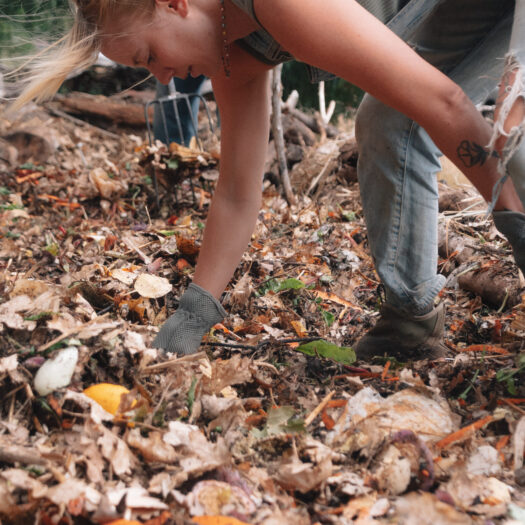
(56, 373)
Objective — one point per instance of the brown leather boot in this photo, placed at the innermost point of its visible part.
(407, 338)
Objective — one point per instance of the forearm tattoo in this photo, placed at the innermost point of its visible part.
(472, 154)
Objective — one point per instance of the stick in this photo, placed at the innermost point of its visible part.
(63, 114)
(173, 362)
(318, 409)
(313, 123)
(131, 245)
(464, 432)
(19, 454)
(277, 130)
(515, 407)
(322, 173)
(69, 332)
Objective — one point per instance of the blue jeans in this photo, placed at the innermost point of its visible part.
(167, 128)
(398, 162)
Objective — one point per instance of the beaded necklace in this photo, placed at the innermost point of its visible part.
(225, 55)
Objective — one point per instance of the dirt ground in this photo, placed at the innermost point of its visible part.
(273, 421)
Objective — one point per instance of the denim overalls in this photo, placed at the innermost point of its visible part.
(468, 40)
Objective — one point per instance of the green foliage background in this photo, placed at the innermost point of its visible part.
(26, 23)
(295, 76)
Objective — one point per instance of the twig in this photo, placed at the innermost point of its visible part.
(19, 454)
(318, 409)
(260, 345)
(322, 173)
(130, 244)
(326, 114)
(191, 357)
(464, 432)
(512, 405)
(264, 364)
(173, 362)
(277, 129)
(67, 116)
(69, 332)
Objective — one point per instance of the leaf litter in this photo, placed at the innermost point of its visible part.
(273, 421)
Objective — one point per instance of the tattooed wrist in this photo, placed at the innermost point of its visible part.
(472, 154)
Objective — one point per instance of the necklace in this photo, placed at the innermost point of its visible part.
(225, 46)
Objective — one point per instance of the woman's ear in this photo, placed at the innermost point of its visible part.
(180, 6)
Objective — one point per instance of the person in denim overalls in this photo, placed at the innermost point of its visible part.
(420, 104)
(398, 162)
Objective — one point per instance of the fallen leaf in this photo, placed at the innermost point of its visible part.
(152, 286)
(340, 354)
(212, 497)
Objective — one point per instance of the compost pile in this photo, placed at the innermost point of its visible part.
(273, 421)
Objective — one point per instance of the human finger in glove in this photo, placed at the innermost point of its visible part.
(198, 311)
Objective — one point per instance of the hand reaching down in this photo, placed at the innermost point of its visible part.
(198, 311)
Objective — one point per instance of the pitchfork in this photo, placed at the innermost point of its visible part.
(175, 98)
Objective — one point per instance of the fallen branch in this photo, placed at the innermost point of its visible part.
(494, 287)
(312, 122)
(278, 137)
(118, 111)
(67, 116)
(18, 454)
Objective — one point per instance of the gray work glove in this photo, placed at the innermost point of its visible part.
(512, 225)
(198, 311)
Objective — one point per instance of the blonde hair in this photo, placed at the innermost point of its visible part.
(79, 48)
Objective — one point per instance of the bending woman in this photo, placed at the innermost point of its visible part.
(414, 111)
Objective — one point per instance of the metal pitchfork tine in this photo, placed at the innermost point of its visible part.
(175, 97)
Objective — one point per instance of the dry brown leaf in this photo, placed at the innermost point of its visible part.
(30, 287)
(9, 364)
(9, 313)
(124, 276)
(240, 295)
(295, 475)
(71, 489)
(212, 497)
(152, 447)
(370, 418)
(105, 185)
(21, 479)
(152, 286)
(116, 452)
(232, 371)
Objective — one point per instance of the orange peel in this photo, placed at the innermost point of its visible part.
(107, 395)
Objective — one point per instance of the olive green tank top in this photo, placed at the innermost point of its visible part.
(265, 48)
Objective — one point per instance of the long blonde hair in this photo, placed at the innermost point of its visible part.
(79, 48)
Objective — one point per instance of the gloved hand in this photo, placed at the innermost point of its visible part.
(512, 225)
(198, 311)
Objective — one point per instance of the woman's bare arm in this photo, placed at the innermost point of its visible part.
(244, 110)
(342, 37)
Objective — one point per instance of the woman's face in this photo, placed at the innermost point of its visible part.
(170, 44)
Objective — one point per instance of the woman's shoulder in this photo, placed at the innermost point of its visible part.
(247, 7)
